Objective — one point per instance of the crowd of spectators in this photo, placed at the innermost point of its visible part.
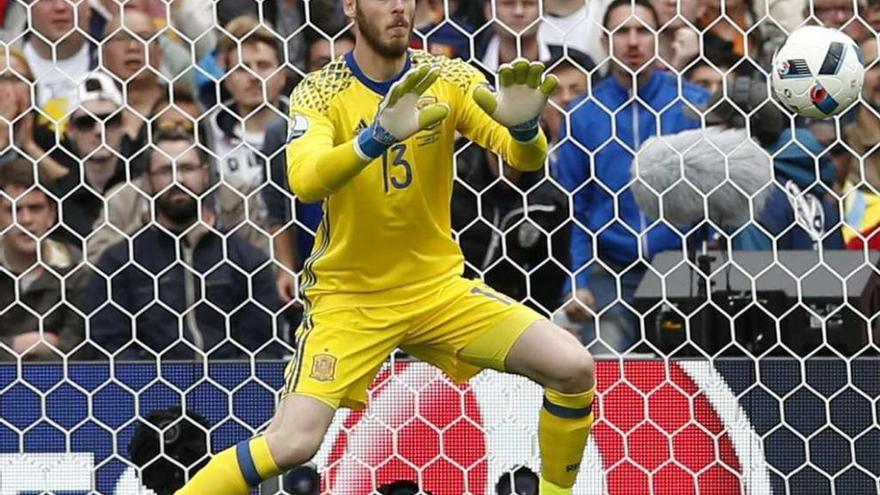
(145, 212)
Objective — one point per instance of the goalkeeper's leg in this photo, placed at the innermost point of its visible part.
(292, 438)
(554, 358)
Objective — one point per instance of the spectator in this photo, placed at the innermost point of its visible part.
(863, 134)
(776, 18)
(710, 70)
(133, 55)
(788, 14)
(94, 137)
(576, 24)
(20, 137)
(126, 206)
(470, 13)
(195, 21)
(321, 51)
(801, 211)
(177, 52)
(255, 81)
(871, 15)
(292, 244)
(512, 232)
(15, 18)
(37, 287)
(598, 180)
(443, 37)
(61, 67)
(516, 34)
(182, 114)
(861, 206)
(212, 282)
(861, 191)
(826, 134)
(678, 40)
(839, 14)
(104, 10)
(738, 29)
(704, 75)
(287, 17)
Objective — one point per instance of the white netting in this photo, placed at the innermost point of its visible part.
(737, 354)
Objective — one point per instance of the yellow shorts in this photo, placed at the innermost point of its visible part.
(462, 328)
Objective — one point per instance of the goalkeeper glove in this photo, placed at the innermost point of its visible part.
(522, 96)
(398, 117)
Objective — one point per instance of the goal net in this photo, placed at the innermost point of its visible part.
(713, 250)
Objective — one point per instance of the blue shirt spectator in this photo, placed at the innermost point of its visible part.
(606, 128)
(800, 212)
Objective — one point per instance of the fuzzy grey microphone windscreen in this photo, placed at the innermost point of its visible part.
(714, 173)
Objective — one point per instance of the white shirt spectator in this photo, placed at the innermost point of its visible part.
(57, 80)
(236, 151)
(582, 29)
(242, 167)
(493, 49)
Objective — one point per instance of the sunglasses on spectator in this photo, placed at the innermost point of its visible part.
(174, 126)
(88, 122)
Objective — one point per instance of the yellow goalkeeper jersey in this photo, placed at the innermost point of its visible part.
(386, 234)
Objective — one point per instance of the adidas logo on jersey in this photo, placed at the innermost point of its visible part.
(361, 126)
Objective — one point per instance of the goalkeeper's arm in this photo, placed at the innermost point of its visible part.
(314, 175)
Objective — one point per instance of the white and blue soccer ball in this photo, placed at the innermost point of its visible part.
(818, 72)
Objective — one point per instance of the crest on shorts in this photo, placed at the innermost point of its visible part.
(323, 368)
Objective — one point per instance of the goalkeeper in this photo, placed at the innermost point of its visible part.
(372, 136)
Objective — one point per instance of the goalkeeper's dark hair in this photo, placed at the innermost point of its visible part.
(630, 4)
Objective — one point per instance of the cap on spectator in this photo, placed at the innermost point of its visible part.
(98, 86)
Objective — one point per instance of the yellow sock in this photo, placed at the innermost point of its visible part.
(234, 471)
(563, 427)
(547, 488)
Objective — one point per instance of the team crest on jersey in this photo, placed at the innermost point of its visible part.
(298, 126)
(323, 367)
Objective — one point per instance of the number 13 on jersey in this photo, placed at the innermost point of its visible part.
(396, 171)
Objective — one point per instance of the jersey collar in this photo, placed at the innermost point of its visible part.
(377, 86)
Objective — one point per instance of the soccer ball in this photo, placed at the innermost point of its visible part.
(818, 72)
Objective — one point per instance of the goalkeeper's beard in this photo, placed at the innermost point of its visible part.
(373, 36)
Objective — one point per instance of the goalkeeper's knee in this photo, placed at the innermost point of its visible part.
(290, 451)
(574, 374)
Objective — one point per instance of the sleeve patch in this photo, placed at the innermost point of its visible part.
(299, 125)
